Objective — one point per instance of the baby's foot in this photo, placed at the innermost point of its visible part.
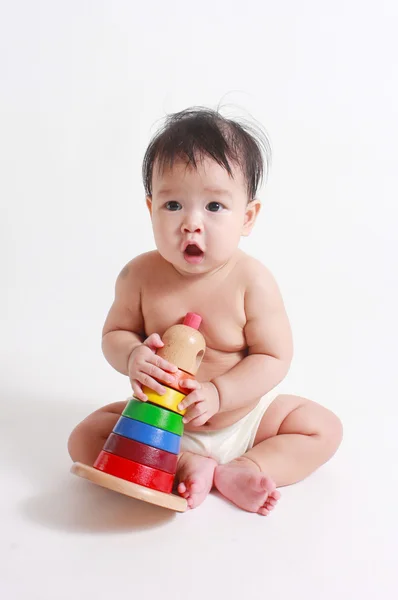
(247, 488)
(195, 475)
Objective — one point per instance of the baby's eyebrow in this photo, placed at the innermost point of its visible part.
(164, 192)
(210, 190)
(218, 191)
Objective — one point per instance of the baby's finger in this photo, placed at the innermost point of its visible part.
(151, 370)
(201, 420)
(154, 341)
(190, 384)
(138, 393)
(188, 401)
(152, 383)
(164, 364)
(195, 411)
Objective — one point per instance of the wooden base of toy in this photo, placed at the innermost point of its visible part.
(170, 501)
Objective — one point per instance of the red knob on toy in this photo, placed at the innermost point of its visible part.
(192, 320)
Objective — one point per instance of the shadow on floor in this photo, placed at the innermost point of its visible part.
(34, 433)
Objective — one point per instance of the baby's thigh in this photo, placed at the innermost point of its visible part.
(295, 414)
(88, 437)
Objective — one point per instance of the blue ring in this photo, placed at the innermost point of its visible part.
(147, 434)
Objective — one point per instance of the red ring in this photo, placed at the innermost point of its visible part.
(134, 472)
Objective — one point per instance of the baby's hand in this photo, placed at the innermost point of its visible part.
(202, 403)
(145, 367)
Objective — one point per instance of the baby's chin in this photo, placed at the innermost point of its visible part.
(204, 267)
(192, 268)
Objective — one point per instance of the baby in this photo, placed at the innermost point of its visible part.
(201, 174)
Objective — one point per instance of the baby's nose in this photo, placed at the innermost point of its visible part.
(191, 225)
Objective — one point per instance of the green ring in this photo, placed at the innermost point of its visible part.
(154, 415)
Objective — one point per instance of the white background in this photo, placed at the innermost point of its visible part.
(83, 86)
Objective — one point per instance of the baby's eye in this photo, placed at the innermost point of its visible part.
(172, 205)
(215, 206)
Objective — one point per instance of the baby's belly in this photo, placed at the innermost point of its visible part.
(215, 364)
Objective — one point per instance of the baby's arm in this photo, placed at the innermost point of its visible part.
(124, 326)
(269, 340)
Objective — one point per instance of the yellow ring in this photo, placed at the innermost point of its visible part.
(169, 400)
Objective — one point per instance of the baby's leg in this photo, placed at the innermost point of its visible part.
(87, 439)
(295, 437)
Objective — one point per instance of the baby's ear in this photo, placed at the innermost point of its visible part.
(252, 210)
(149, 204)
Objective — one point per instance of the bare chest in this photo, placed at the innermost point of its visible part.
(220, 304)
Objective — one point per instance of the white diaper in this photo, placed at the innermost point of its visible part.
(231, 442)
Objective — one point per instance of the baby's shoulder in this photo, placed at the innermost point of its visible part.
(253, 271)
(139, 266)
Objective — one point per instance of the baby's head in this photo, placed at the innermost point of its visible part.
(201, 174)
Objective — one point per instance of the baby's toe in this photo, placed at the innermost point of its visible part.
(269, 503)
(263, 511)
(189, 487)
(182, 488)
(184, 491)
(266, 508)
(275, 495)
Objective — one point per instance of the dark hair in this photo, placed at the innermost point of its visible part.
(198, 132)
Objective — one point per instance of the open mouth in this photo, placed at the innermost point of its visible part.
(193, 254)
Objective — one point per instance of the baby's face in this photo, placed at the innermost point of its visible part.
(203, 207)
